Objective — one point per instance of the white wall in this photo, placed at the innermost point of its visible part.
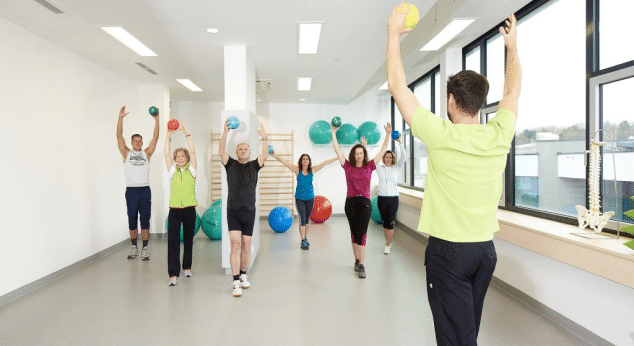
(62, 178)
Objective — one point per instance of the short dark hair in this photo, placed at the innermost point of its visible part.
(310, 162)
(351, 155)
(136, 135)
(469, 89)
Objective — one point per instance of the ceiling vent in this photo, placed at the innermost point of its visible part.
(50, 6)
(146, 68)
(263, 85)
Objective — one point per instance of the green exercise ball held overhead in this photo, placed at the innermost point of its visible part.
(153, 111)
(336, 122)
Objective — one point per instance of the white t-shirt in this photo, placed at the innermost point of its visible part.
(137, 169)
(388, 176)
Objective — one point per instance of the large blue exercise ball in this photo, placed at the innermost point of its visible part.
(196, 227)
(280, 219)
(211, 222)
(347, 134)
(376, 214)
(370, 130)
(319, 132)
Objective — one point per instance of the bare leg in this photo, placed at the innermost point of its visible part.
(145, 234)
(245, 254)
(361, 253)
(302, 231)
(389, 234)
(355, 251)
(236, 242)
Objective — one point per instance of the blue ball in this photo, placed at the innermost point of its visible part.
(270, 149)
(234, 122)
(280, 219)
(395, 135)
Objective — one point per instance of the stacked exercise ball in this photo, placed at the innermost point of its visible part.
(196, 227)
(211, 222)
(319, 132)
(322, 209)
(370, 130)
(376, 215)
(280, 219)
(347, 134)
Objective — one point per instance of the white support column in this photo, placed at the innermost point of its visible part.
(450, 64)
(239, 102)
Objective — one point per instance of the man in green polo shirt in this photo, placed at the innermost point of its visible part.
(466, 161)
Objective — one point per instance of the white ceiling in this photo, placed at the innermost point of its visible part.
(350, 60)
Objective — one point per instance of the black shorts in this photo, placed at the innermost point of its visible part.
(241, 220)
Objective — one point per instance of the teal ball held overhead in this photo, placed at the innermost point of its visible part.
(153, 111)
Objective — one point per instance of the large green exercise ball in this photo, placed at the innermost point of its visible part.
(211, 222)
(196, 227)
(320, 133)
(347, 134)
(370, 130)
(376, 215)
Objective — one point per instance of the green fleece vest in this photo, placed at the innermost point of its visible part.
(183, 189)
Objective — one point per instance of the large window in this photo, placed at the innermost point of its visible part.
(616, 32)
(427, 91)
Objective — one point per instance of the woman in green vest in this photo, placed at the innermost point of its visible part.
(182, 171)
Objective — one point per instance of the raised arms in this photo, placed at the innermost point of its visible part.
(222, 145)
(123, 149)
(150, 148)
(265, 145)
(292, 167)
(403, 96)
(190, 143)
(335, 144)
(386, 141)
(166, 149)
(513, 74)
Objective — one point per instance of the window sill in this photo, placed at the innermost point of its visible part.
(608, 258)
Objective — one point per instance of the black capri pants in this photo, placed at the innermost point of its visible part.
(304, 208)
(176, 216)
(388, 206)
(358, 210)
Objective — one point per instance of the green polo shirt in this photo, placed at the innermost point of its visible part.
(465, 167)
(182, 188)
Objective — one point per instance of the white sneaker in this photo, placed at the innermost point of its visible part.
(387, 249)
(145, 254)
(188, 273)
(244, 281)
(237, 290)
(134, 251)
(173, 281)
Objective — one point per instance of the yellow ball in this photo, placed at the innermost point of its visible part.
(412, 16)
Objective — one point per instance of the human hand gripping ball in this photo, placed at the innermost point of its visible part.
(412, 16)
(172, 125)
(153, 111)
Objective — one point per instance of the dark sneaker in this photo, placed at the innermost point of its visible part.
(361, 272)
(304, 244)
(356, 266)
(307, 243)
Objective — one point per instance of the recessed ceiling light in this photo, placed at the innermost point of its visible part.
(189, 84)
(259, 100)
(309, 34)
(302, 99)
(126, 38)
(303, 83)
(449, 32)
(213, 30)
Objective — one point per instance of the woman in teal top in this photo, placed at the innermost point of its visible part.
(304, 194)
(182, 171)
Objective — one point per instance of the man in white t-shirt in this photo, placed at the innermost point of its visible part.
(136, 165)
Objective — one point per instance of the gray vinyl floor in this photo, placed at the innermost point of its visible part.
(297, 298)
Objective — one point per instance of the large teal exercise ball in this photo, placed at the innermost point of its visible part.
(347, 134)
(376, 215)
(211, 222)
(320, 133)
(370, 130)
(196, 227)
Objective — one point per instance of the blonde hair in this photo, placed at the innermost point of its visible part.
(183, 150)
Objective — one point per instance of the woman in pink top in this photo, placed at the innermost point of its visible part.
(358, 206)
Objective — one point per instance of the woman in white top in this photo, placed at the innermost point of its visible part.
(389, 173)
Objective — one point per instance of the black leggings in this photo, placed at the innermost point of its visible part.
(358, 210)
(388, 206)
(304, 208)
(176, 216)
